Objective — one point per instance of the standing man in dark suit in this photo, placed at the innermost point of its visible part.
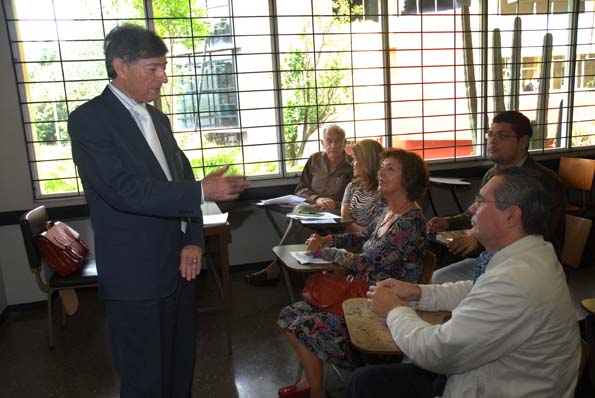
(146, 217)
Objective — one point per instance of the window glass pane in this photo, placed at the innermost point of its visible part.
(321, 80)
(83, 70)
(583, 111)
(38, 30)
(81, 9)
(119, 10)
(91, 50)
(36, 51)
(42, 71)
(56, 169)
(80, 30)
(430, 93)
(255, 91)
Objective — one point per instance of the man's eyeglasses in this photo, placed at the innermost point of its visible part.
(479, 200)
(498, 135)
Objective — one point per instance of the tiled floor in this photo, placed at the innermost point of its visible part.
(80, 365)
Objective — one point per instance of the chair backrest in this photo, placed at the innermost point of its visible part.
(428, 267)
(32, 223)
(577, 173)
(575, 239)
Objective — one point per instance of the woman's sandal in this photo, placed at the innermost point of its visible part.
(292, 391)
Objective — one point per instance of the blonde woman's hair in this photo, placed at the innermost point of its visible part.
(368, 154)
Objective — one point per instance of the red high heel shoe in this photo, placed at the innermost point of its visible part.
(292, 391)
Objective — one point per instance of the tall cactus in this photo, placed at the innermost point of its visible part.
(540, 124)
(515, 66)
(540, 131)
(497, 72)
(469, 73)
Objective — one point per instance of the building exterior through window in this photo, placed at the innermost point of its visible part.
(252, 83)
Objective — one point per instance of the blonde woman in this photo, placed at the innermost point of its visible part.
(362, 201)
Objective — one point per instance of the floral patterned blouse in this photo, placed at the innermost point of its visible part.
(396, 254)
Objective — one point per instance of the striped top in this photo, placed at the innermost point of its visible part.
(363, 205)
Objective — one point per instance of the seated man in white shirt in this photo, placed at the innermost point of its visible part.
(513, 331)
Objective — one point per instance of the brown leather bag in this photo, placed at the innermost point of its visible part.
(64, 260)
(327, 291)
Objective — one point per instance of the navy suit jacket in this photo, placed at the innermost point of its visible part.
(135, 211)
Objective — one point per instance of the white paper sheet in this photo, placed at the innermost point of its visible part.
(283, 200)
(306, 257)
(214, 219)
(318, 221)
(322, 216)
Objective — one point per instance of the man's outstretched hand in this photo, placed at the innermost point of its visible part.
(216, 186)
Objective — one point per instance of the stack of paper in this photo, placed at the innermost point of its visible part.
(282, 200)
(306, 257)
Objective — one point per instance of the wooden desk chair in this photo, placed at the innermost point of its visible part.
(289, 263)
(33, 223)
(575, 240)
(577, 174)
(452, 184)
(368, 331)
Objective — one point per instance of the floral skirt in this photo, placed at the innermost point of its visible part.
(323, 333)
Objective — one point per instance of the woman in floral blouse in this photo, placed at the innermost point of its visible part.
(391, 246)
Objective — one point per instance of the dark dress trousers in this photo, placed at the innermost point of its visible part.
(136, 216)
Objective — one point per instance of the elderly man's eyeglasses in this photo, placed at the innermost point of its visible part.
(480, 200)
(498, 135)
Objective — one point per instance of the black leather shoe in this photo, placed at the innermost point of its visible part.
(260, 279)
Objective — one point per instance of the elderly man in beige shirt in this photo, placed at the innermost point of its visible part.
(322, 184)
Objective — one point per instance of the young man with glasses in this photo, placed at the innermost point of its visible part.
(507, 146)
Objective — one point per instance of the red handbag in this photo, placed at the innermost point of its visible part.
(64, 260)
(327, 291)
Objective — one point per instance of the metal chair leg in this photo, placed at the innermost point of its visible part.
(325, 367)
(299, 372)
(226, 308)
(50, 320)
(63, 310)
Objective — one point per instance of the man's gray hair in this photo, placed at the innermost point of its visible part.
(526, 189)
(335, 127)
(131, 43)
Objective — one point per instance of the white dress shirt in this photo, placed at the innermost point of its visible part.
(512, 334)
